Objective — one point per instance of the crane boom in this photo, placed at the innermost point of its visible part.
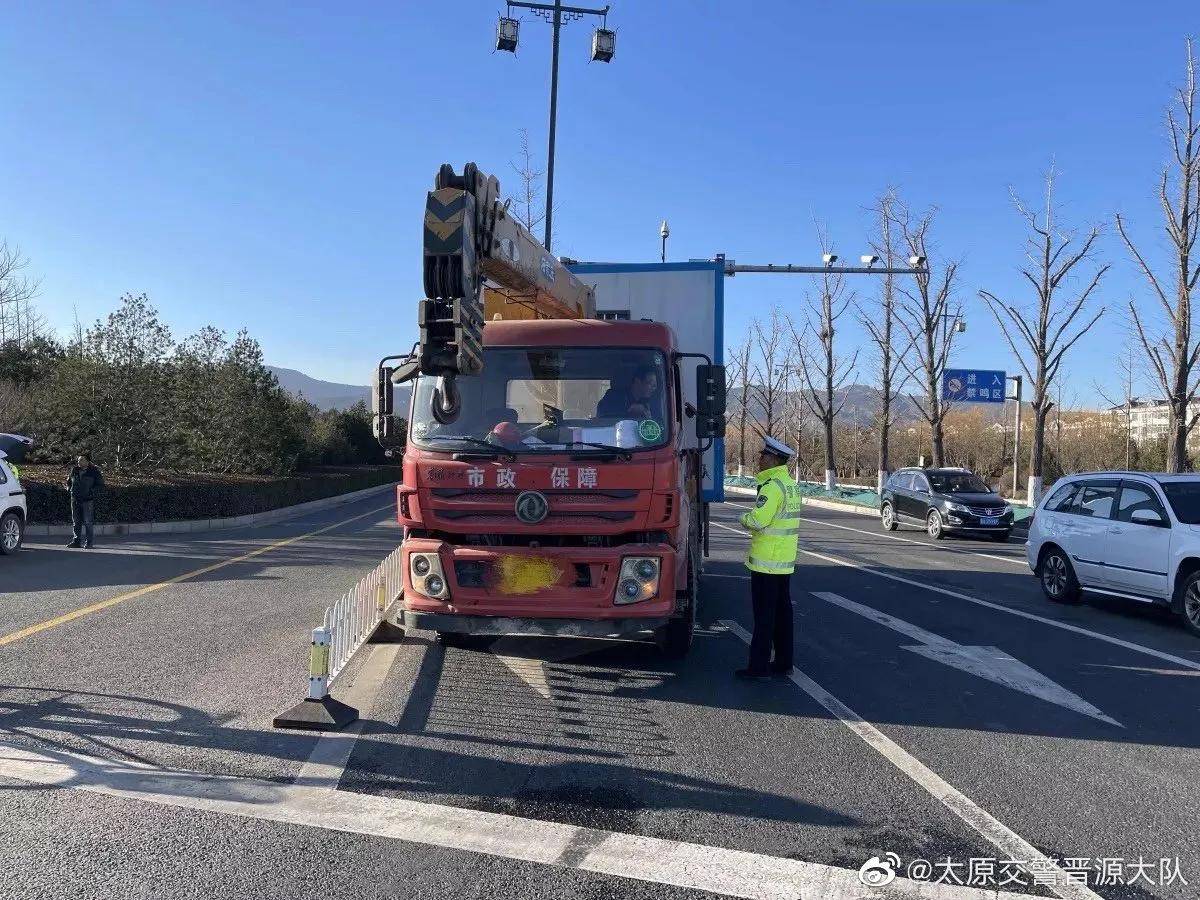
(471, 239)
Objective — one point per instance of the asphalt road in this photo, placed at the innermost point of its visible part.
(941, 710)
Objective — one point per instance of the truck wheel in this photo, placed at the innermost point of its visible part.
(12, 532)
(675, 638)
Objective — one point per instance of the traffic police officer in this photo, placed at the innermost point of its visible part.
(774, 526)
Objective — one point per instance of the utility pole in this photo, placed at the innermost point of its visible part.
(665, 231)
(603, 48)
(1016, 379)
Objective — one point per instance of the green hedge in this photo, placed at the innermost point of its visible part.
(174, 497)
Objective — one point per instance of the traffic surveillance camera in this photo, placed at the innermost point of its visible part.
(916, 261)
(868, 260)
(829, 258)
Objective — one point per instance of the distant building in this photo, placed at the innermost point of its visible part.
(1148, 418)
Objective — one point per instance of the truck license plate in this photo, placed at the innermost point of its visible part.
(989, 520)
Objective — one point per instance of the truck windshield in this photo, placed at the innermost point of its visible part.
(531, 400)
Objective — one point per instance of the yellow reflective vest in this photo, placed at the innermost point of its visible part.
(774, 523)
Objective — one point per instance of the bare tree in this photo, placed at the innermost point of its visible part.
(1040, 333)
(530, 210)
(19, 321)
(738, 371)
(880, 323)
(922, 315)
(769, 373)
(1129, 371)
(1173, 350)
(823, 370)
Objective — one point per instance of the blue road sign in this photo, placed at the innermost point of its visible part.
(973, 386)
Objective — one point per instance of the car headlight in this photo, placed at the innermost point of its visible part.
(638, 580)
(957, 507)
(427, 575)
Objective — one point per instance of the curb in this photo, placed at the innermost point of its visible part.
(183, 527)
(809, 501)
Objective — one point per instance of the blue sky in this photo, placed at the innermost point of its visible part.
(264, 165)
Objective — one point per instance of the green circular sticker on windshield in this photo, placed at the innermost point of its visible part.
(649, 431)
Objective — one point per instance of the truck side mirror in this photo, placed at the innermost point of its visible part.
(710, 401)
(382, 403)
(390, 430)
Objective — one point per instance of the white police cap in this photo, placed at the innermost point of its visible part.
(779, 448)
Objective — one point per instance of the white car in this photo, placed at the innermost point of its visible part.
(12, 508)
(1124, 534)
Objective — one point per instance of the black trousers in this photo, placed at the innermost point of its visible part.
(83, 517)
(772, 598)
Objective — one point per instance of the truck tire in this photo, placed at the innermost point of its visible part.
(675, 638)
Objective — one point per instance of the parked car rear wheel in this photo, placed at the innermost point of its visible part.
(1189, 608)
(887, 516)
(12, 532)
(933, 525)
(1057, 577)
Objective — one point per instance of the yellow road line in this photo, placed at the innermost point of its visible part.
(113, 601)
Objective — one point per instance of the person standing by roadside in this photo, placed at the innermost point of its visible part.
(774, 526)
(85, 483)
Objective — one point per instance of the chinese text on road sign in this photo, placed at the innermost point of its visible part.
(973, 386)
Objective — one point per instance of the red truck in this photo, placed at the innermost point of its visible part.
(557, 463)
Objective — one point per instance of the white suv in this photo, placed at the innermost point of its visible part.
(12, 508)
(1125, 534)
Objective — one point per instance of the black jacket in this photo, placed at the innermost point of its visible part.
(85, 484)
(616, 402)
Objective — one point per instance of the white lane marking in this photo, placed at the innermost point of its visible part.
(719, 870)
(958, 595)
(990, 663)
(331, 754)
(992, 829)
(896, 537)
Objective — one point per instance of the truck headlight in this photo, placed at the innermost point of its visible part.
(427, 575)
(638, 580)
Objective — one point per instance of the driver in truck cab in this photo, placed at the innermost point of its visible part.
(641, 399)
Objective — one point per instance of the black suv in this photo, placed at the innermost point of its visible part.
(944, 500)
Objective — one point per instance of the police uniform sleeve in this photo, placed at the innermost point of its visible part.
(766, 508)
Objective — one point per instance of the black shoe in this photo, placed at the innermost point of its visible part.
(780, 671)
(73, 545)
(87, 546)
(752, 675)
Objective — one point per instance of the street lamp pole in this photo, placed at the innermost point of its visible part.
(665, 231)
(602, 51)
(557, 26)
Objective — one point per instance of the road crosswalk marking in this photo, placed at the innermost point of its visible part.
(734, 873)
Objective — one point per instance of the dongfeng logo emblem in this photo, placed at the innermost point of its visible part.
(532, 507)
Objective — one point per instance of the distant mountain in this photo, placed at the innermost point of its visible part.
(330, 394)
(859, 402)
(322, 394)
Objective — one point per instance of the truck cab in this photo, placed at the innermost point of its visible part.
(565, 495)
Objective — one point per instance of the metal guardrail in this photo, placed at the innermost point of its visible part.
(347, 626)
(350, 621)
